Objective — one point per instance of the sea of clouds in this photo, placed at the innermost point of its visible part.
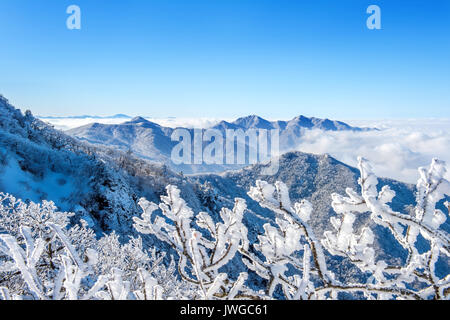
(395, 151)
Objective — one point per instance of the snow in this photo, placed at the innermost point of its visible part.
(212, 238)
(52, 186)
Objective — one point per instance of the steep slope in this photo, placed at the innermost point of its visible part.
(101, 185)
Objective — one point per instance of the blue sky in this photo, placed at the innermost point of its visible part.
(227, 58)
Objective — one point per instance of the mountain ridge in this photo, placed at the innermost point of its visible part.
(151, 141)
(116, 116)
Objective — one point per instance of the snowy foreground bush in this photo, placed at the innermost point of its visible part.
(42, 258)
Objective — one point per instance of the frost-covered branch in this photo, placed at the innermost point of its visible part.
(46, 260)
(420, 267)
(43, 257)
(200, 257)
(292, 225)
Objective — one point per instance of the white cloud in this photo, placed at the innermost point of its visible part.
(395, 152)
(186, 122)
(430, 125)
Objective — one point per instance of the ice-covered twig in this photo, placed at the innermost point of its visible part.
(25, 261)
(199, 258)
(276, 198)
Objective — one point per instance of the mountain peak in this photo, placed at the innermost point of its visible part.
(253, 121)
(301, 117)
(250, 117)
(138, 120)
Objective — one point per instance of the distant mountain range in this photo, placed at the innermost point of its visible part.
(153, 142)
(102, 185)
(116, 116)
(256, 122)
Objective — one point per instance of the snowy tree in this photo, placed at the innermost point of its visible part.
(394, 281)
(57, 278)
(278, 244)
(200, 257)
(44, 256)
(40, 258)
(290, 256)
(417, 279)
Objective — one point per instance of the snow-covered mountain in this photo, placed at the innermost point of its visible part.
(301, 122)
(151, 141)
(147, 139)
(103, 185)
